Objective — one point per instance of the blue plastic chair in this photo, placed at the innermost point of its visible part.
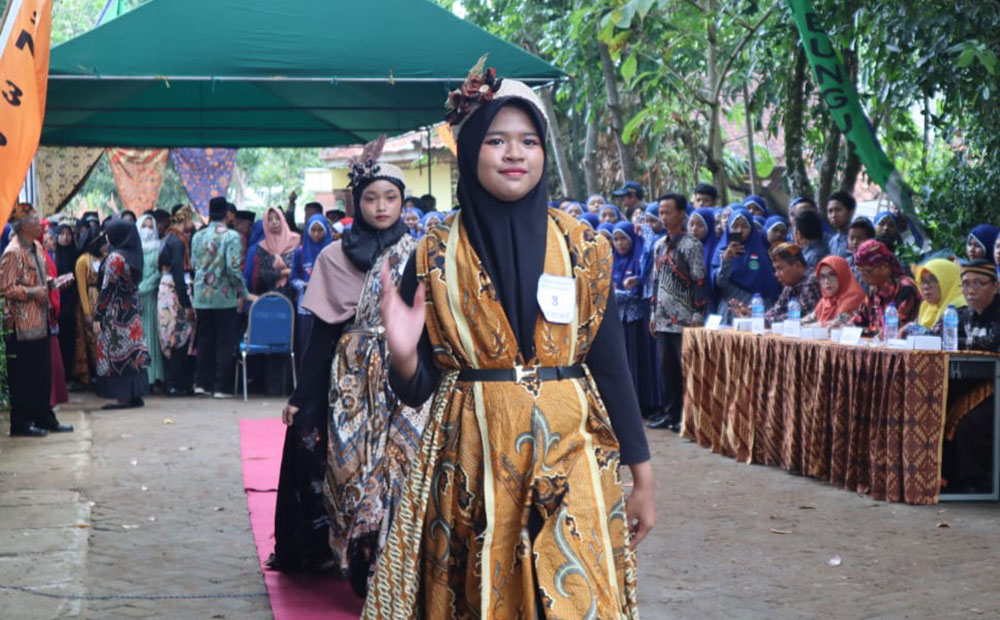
(270, 331)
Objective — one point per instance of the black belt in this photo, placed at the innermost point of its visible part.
(521, 373)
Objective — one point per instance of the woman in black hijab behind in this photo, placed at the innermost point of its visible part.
(66, 255)
(122, 353)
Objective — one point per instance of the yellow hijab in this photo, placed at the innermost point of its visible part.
(949, 277)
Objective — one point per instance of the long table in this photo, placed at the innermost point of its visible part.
(868, 419)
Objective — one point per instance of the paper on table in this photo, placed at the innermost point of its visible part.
(713, 321)
(850, 335)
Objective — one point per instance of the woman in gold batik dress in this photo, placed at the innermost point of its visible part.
(514, 508)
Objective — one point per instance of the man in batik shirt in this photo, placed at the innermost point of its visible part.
(680, 299)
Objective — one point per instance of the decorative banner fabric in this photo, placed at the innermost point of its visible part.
(24, 76)
(841, 98)
(61, 172)
(138, 176)
(205, 173)
(867, 420)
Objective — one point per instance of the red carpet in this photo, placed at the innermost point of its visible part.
(292, 597)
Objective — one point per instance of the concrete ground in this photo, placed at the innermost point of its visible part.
(141, 514)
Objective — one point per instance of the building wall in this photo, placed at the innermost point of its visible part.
(326, 183)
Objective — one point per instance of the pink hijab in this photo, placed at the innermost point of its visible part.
(281, 242)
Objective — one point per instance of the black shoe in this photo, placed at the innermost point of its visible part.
(675, 427)
(138, 402)
(31, 431)
(660, 421)
(58, 428)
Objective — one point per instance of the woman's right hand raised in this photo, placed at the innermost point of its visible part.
(403, 325)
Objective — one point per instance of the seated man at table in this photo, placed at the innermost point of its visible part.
(887, 283)
(968, 457)
(797, 280)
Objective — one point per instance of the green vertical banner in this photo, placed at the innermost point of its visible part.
(841, 98)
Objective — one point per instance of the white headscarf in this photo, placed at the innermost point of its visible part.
(150, 237)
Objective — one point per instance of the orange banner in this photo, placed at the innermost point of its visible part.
(24, 75)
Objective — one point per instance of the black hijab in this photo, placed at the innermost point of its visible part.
(362, 242)
(124, 239)
(508, 237)
(66, 255)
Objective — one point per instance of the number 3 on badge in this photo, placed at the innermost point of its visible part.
(557, 298)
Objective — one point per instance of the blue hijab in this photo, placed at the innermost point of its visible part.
(757, 200)
(591, 219)
(986, 234)
(770, 223)
(607, 227)
(256, 233)
(5, 238)
(630, 264)
(309, 250)
(711, 241)
(431, 215)
(752, 271)
(613, 208)
(418, 233)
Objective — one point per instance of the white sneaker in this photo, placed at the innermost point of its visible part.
(199, 391)
(221, 395)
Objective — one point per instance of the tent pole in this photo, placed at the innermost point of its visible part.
(232, 78)
(429, 161)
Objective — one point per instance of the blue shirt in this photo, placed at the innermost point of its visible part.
(838, 245)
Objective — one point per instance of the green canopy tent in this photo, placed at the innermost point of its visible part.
(266, 73)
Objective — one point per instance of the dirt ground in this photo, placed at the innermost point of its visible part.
(142, 514)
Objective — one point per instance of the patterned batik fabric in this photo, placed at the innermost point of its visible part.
(138, 176)
(121, 343)
(866, 420)
(61, 172)
(205, 173)
(373, 436)
(514, 498)
(175, 327)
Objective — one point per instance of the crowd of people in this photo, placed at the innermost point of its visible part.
(676, 262)
(469, 381)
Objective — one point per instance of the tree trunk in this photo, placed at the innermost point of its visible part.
(851, 170)
(714, 160)
(590, 177)
(626, 152)
(828, 165)
(751, 155)
(566, 180)
(798, 179)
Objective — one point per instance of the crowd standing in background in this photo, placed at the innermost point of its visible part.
(157, 304)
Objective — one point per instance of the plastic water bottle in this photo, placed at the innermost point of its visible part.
(950, 340)
(757, 314)
(794, 320)
(891, 323)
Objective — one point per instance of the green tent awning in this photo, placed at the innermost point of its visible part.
(265, 73)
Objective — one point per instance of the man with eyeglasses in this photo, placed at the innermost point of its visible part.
(967, 458)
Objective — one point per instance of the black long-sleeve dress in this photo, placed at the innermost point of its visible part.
(301, 521)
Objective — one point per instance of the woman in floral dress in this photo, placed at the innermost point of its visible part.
(122, 354)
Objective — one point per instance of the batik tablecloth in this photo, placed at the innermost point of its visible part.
(867, 419)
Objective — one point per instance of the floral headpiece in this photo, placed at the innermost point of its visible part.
(480, 87)
(21, 210)
(366, 167)
(184, 214)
